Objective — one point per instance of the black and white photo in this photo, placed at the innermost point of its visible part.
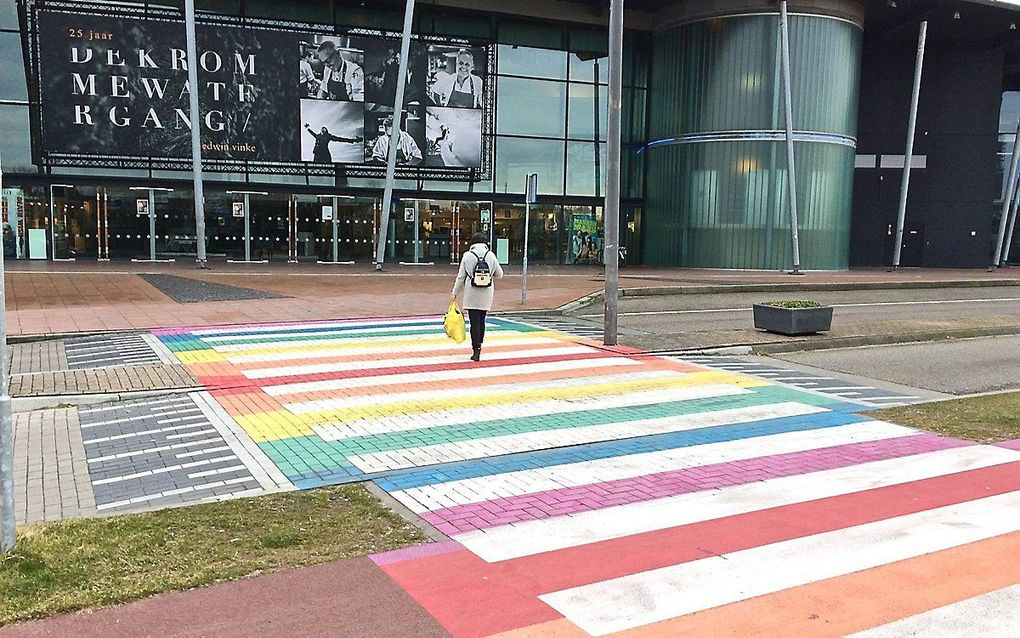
(332, 132)
(382, 65)
(454, 137)
(455, 77)
(335, 72)
(379, 125)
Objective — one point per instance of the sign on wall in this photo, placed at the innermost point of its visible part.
(117, 86)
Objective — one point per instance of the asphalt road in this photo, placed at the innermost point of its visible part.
(964, 366)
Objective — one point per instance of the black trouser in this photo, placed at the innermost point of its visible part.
(477, 319)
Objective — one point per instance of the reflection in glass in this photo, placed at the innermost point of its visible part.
(529, 62)
(531, 107)
(12, 70)
(581, 167)
(516, 157)
(581, 119)
(15, 143)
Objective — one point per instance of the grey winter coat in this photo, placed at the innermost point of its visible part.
(476, 298)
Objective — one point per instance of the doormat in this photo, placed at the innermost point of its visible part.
(185, 290)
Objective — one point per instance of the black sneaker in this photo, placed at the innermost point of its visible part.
(477, 355)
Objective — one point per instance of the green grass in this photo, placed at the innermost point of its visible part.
(793, 304)
(987, 419)
(82, 563)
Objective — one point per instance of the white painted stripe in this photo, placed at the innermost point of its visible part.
(314, 324)
(378, 364)
(180, 419)
(482, 414)
(812, 378)
(188, 435)
(129, 435)
(188, 455)
(182, 490)
(510, 484)
(435, 325)
(140, 417)
(126, 356)
(992, 615)
(222, 470)
(834, 388)
(259, 465)
(513, 443)
(162, 470)
(173, 401)
(466, 391)
(359, 342)
(535, 537)
(632, 601)
(362, 349)
(154, 450)
(466, 372)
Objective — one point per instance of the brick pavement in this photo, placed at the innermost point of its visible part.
(102, 380)
(51, 475)
(37, 356)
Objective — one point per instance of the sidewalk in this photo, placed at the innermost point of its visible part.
(69, 297)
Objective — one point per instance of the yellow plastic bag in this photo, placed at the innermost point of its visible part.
(453, 323)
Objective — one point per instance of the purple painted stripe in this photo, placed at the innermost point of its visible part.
(1011, 445)
(418, 551)
(570, 500)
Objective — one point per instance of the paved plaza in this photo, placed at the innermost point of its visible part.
(582, 490)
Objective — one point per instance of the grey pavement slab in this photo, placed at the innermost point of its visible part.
(187, 290)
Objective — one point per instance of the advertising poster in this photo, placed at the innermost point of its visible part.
(585, 243)
(118, 86)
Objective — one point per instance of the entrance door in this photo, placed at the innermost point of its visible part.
(407, 232)
(356, 229)
(270, 231)
(75, 222)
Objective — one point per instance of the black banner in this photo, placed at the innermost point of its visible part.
(118, 86)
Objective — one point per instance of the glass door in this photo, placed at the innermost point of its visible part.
(224, 227)
(270, 231)
(356, 229)
(74, 222)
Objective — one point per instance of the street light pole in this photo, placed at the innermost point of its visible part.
(7, 525)
(611, 254)
(195, 115)
(398, 112)
(908, 158)
(791, 166)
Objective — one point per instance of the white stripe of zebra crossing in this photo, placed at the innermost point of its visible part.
(128, 419)
(130, 435)
(382, 339)
(178, 400)
(338, 332)
(639, 599)
(153, 450)
(298, 326)
(174, 492)
(379, 364)
(319, 405)
(535, 537)
(465, 491)
(992, 615)
(483, 413)
(530, 441)
(448, 375)
(222, 470)
(162, 470)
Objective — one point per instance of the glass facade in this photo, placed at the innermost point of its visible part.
(549, 116)
(716, 191)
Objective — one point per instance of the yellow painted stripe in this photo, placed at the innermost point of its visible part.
(388, 343)
(200, 356)
(266, 422)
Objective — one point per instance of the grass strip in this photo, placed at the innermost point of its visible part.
(986, 419)
(89, 562)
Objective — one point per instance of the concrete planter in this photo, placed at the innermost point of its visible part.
(792, 321)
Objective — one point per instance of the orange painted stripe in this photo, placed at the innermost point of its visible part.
(858, 601)
(596, 374)
(560, 628)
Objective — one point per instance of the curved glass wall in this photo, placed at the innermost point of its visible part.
(716, 192)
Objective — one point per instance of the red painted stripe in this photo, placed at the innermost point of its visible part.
(435, 367)
(441, 585)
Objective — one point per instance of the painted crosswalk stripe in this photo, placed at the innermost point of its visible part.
(534, 537)
(993, 615)
(640, 599)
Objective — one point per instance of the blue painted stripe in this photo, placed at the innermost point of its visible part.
(432, 475)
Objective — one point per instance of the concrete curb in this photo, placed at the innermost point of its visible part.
(881, 340)
(714, 289)
(405, 513)
(29, 404)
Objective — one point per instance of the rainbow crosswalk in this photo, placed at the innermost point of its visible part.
(592, 491)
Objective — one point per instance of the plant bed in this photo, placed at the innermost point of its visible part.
(792, 318)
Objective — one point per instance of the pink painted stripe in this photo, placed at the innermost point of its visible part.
(418, 551)
(1012, 445)
(583, 498)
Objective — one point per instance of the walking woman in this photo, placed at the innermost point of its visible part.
(478, 267)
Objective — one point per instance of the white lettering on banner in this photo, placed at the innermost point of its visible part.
(76, 53)
(144, 61)
(178, 60)
(216, 86)
(121, 122)
(217, 62)
(151, 116)
(82, 115)
(153, 88)
(241, 65)
(113, 58)
(244, 92)
(182, 119)
(218, 125)
(83, 87)
(118, 86)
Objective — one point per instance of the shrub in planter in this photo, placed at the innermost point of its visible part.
(792, 317)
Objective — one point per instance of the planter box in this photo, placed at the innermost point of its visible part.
(792, 321)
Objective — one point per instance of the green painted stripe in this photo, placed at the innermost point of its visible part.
(348, 337)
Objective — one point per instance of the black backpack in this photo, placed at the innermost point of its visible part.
(482, 276)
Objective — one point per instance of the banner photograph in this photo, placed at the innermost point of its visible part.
(118, 86)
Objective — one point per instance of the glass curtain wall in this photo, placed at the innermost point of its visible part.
(717, 185)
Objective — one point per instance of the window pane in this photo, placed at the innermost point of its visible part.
(15, 143)
(535, 63)
(12, 71)
(581, 169)
(515, 158)
(531, 107)
(531, 34)
(8, 14)
(582, 68)
(581, 123)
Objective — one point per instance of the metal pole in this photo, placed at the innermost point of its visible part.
(527, 223)
(1009, 233)
(7, 526)
(398, 111)
(336, 230)
(195, 115)
(908, 159)
(417, 225)
(247, 229)
(53, 225)
(611, 210)
(1007, 198)
(791, 167)
(152, 226)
